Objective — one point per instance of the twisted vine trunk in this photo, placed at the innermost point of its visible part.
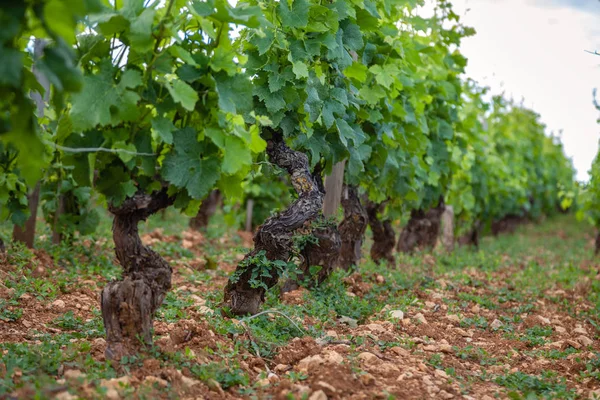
(471, 238)
(422, 229)
(507, 224)
(128, 305)
(352, 228)
(26, 234)
(207, 209)
(323, 255)
(274, 237)
(384, 237)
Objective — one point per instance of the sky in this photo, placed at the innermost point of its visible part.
(535, 50)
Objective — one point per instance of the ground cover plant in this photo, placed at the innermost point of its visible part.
(470, 323)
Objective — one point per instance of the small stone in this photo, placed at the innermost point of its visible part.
(199, 301)
(441, 374)
(26, 323)
(331, 334)
(463, 333)
(429, 304)
(400, 351)
(112, 394)
(74, 375)
(65, 396)
(281, 368)
(58, 304)
(585, 341)
(421, 318)
(309, 363)
(557, 345)
(445, 395)
(427, 380)
(375, 328)
(579, 330)
(326, 387)
(430, 347)
(189, 382)
(445, 348)
(573, 344)
(380, 279)
(560, 329)
(215, 386)
(543, 320)
(475, 309)
(99, 342)
(263, 382)
(397, 314)
(369, 358)
(496, 324)
(152, 380)
(272, 377)
(367, 379)
(205, 310)
(333, 357)
(453, 318)
(318, 395)
(77, 305)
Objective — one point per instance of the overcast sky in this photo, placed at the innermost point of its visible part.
(535, 50)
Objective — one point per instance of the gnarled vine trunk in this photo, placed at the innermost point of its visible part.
(352, 228)
(507, 224)
(384, 237)
(422, 229)
(128, 305)
(323, 254)
(274, 237)
(471, 238)
(26, 234)
(207, 209)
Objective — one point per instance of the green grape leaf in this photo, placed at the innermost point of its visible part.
(236, 155)
(187, 167)
(182, 93)
(104, 102)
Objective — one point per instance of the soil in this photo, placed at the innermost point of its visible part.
(430, 351)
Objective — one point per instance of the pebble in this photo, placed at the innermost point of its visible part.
(367, 379)
(397, 314)
(151, 380)
(369, 358)
(58, 304)
(585, 341)
(560, 329)
(318, 395)
(496, 324)
(543, 320)
(421, 318)
(579, 330)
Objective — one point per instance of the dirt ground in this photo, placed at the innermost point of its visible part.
(495, 330)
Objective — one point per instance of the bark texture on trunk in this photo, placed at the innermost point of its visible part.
(597, 249)
(57, 235)
(471, 238)
(128, 305)
(384, 237)
(2, 247)
(352, 228)
(26, 234)
(507, 224)
(207, 209)
(422, 230)
(274, 237)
